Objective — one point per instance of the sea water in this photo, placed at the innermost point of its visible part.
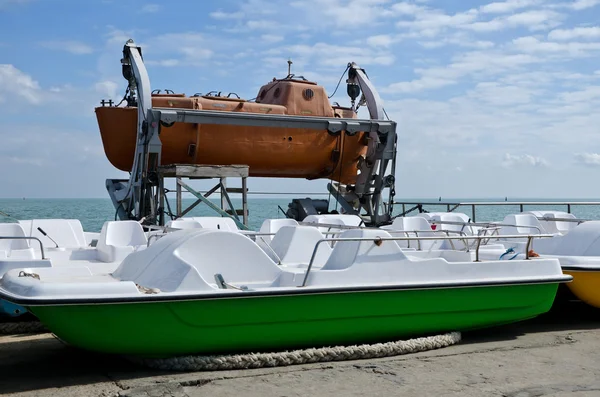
(94, 212)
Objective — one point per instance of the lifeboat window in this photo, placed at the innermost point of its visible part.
(308, 94)
(289, 138)
(276, 92)
(262, 94)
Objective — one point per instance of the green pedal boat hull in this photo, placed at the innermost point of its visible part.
(282, 322)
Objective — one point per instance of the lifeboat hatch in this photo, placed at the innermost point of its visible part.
(191, 149)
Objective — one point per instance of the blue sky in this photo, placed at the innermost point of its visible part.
(492, 99)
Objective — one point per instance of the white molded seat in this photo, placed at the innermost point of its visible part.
(457, 217)
(17, 248)
(215, 222)
(335, 219)
(294, 245)
(188, 260)
(183, 224)
(354, 253)
(272, 226)
(269, 227)
(118, 239)
(68, 233)
(553, 226)
(423, 228)
(524, 224)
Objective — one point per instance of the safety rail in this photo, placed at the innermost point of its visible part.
(379, 240)
(452, 205)
(26, 238)
(416, 232)
(578, 220)
(484, 224)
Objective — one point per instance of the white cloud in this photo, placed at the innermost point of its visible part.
(272, 38)
(422, 84)
(72, 46)
(573, 49)
(588, 159)
(221, 15)
(430, 22)
(404, 8)
(380, 40)
(502, 7)
(499, 94)
(532, 20)
(15, 83)
(192, 48)
(475, 63)
(575, 33)
(511, 160)
(583, 4)
(458, 41)
(150, 8)
(108, 88)
(587, 94)
(338, 55)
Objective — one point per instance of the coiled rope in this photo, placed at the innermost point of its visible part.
(303, 356)
(22, 327)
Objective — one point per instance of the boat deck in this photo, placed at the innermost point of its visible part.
(553, 355)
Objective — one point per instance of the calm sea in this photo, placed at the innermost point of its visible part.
(94, 212)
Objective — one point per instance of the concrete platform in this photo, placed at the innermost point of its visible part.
(557, 354)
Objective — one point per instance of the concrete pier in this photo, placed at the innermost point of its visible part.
(557, 354)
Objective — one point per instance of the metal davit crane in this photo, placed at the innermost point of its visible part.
(319, 140)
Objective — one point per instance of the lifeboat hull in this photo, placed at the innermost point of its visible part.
(269, 152)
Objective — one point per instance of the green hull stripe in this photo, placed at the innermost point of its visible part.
(271, 323)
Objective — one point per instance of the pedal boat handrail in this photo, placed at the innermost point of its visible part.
(26, 238)
(379, 240)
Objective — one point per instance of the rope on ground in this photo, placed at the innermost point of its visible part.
(304, 356)
(22, 327)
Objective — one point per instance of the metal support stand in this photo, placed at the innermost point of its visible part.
(192, 171)
(142, 196)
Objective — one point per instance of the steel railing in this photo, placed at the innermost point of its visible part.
(26, 238)
(379, 240)
(452, 205)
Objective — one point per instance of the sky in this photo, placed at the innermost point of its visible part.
(492, 99)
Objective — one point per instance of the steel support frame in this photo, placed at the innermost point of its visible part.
(384, 130)
(142, 198)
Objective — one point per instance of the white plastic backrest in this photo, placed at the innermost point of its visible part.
(419, 224)
(68, 233)
(553, 226)
(335, 219)
(118, 239)
(183, 224)
(295, 245)
(430, 215)
(549, 226)
(353, 253)
(452, 217)
(526, 224)
(12, 230)
(187, 260)
(272, 226)
(215, 222)
(123, 234)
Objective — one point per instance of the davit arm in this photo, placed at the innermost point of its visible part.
(381, 149)
(134, 200)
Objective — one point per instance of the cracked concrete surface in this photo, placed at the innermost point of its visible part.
(554, 355)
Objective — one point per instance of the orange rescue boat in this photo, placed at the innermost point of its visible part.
(269, 152)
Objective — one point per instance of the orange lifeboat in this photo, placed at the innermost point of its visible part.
(269, 152)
